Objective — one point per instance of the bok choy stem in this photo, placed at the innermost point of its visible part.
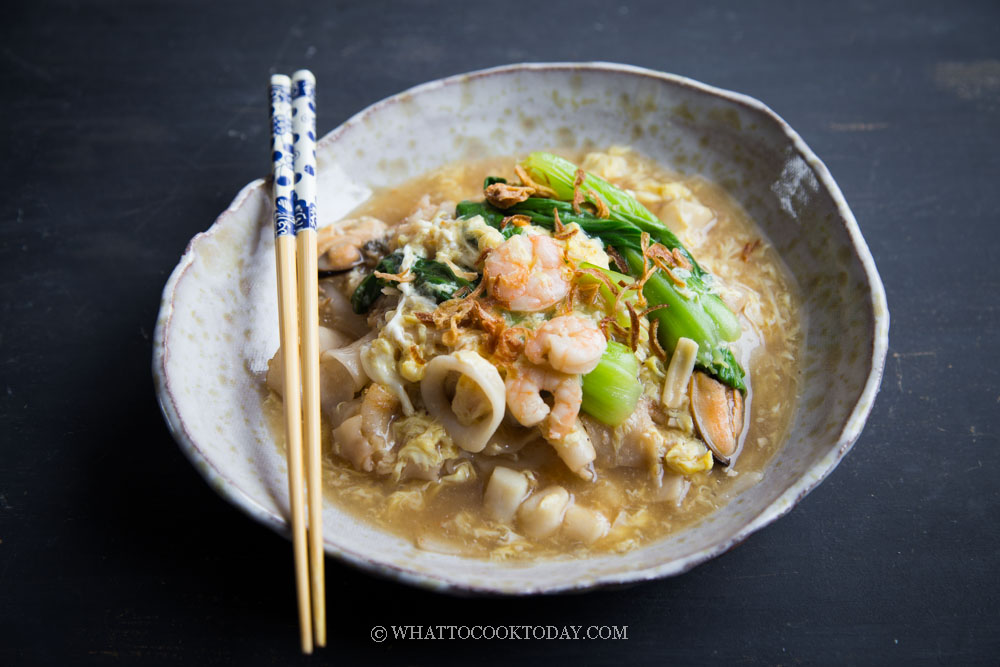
(611, 391)
(686, 317)
(695, 312)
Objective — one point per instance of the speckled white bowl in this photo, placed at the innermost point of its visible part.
(218, 324)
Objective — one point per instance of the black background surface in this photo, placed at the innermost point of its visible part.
(128, 127)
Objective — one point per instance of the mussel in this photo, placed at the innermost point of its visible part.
(718, 415)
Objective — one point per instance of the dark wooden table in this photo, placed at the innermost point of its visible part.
(127, 127)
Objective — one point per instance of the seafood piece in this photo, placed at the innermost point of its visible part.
(470, 403)
(718, 415)
(379, 407)
(679, 373)
(349, 243)
(472, 418)
(510, 438)
(569, 343)
(541, 515)
(349, 443)
(504, 493)
(585, 525)
(333, 390)
(341, 373)
(336, 311)
(524, 385)
(329, 339)
(576, 451)
(673, 488)
(527, 273)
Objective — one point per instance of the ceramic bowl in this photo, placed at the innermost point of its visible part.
(218, 322)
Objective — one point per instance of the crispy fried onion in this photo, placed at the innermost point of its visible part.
(654, 327)
(560, 231)
(578, 197)
(647, 269)
(459, 271)
(601, 209)
(469, 311)
(510, 344)
(611, 329)
(610, 325)
(617, 258)
(503, 195)
(482, 256)
(654, 340)
(586, 293)
(415, 351)
(667, 259)
(662, 259)
(599, 275)
(404, 277)
(681, 259)
(748, 249)
(632, 332)
(633, 329)
(540, 190)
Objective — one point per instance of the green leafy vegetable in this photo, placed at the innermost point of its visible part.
(686, 316)
(611, 231)
(681, 317)
(432, 279)
(616, 232)
(695, 312)
(491, 215)
(560, 174)
(611, 391)
(622, 317)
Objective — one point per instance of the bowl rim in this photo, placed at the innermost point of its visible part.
(849, 434)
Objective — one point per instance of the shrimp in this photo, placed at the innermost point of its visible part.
(346, 243)
(524, 385)
(570, 343)
(527, 273)
(577, 452)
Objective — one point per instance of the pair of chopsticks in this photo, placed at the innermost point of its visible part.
(293, 161)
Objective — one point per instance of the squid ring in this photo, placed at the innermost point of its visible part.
(471, 437)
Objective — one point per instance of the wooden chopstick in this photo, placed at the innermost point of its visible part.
(288, 325)
(304, 205)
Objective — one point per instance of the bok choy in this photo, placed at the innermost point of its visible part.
(693, 311)
(611, 391)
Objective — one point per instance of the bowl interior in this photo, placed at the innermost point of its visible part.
(218, 321)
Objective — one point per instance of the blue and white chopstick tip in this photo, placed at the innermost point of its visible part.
(282, 150)
(304, 141)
